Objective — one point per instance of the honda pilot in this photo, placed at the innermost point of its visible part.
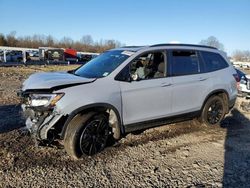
(125, 90)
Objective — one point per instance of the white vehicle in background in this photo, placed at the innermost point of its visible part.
(245, 66)
(244, 86)
(32, 55)
(12, 56)
(236, 65)
(241, 64)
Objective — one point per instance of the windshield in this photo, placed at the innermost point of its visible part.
(103, 65)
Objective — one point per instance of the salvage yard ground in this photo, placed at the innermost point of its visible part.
(177, 155)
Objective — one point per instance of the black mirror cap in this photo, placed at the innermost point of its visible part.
(123, 78)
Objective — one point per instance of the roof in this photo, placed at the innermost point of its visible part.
(131, 48)
(185, 45)
(136, 48)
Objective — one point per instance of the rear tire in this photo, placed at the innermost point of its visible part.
(213, 111)
(87, 134)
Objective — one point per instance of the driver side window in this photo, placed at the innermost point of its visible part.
(148, 66)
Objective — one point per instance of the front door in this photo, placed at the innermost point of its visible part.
(148, 95)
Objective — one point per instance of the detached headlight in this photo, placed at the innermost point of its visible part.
(44, 100)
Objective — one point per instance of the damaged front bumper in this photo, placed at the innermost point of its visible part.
(40, 121)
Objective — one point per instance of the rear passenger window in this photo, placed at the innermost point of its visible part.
(184, 62)
(213, 61)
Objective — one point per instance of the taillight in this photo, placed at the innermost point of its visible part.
(236, 77)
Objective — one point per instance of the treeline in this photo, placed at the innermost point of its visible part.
(86, 43)
(237, 55)
(241, 55)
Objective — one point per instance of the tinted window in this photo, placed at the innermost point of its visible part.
(213, 61)
(184, 62)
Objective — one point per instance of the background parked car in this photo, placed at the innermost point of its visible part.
(243, 83)
(241, 74)
(84, 58)
(12, 56)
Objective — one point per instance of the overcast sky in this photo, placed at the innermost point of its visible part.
(133, 22)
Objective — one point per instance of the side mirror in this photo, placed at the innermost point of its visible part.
(124, 75)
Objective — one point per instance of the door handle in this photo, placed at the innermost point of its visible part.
(202, 79)
(165, 84)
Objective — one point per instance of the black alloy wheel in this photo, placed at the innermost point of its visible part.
(215, 112)
(95, 134)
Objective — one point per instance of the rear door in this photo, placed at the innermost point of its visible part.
(189, 82)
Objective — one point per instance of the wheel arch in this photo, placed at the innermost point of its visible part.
(93, 107)
(220, 92)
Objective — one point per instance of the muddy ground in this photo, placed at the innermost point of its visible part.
(177, 155)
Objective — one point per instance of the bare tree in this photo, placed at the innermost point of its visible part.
(212, 41)
(3, 41)
(86, 43)
(25, 41)
(11, 39)
(50, 41)
(66, 42)
(240, 55)
(87, 40)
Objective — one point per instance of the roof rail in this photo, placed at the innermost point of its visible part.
(132, 46)
(191, 45)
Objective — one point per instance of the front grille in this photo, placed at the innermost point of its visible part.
(248, 84)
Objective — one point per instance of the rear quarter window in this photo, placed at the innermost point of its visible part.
(213, 61)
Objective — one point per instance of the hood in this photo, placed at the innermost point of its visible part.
(48, 80)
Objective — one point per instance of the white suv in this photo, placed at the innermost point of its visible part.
(125, 90)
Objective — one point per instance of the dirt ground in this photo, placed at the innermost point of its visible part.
(177, 155)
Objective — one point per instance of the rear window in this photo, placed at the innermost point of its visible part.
(184, 62)
(213, 61)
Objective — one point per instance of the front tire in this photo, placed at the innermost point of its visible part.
(213, 111)
(87, 134)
